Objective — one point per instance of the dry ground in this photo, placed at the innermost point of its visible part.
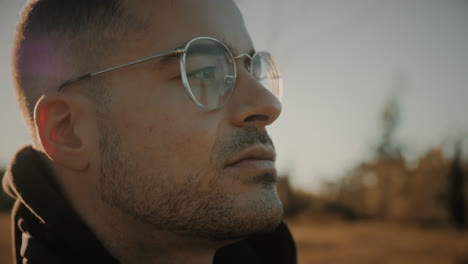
(332, 242)
(335, 242)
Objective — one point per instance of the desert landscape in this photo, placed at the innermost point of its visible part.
(377, 242)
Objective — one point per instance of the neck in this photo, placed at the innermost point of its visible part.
(129, 252)
(131, 241)
(179, 257)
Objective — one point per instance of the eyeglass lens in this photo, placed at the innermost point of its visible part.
(211, 74)
(265, 71)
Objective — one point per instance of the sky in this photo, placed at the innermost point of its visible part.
(341, 62)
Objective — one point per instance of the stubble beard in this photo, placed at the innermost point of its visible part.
(184, 209)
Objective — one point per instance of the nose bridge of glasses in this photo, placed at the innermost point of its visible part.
(249, 64)
(243, 55)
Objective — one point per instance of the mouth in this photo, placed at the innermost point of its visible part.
(258, 158)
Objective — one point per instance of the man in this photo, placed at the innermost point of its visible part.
(148, 120)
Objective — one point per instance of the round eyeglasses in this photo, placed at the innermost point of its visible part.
(209, 73)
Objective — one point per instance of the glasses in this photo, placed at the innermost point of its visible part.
(208, 71)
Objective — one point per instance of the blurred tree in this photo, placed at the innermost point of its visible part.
(389, 156)
(387, 148)
(456, 189)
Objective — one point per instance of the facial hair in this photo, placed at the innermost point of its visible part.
(187, 209)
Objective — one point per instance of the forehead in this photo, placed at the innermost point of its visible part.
(171, 23)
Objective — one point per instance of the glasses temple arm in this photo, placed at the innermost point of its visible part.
(89, 75)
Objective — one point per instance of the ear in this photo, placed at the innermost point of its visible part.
(55, 119)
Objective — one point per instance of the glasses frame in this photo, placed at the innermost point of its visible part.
(182, 61)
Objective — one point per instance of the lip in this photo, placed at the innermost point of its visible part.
(258, 155)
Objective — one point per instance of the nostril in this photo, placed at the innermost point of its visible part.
(252, 118)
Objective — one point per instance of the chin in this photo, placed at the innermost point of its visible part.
(246, 214)
(258, 213)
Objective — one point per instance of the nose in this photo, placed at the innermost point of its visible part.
(252, 104)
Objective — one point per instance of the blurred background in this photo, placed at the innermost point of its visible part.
(373, 140)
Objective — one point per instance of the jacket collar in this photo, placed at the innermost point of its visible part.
(49, 216)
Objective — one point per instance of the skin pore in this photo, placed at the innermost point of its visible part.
(147, 170)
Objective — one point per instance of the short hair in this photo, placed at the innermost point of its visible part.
(57, 39)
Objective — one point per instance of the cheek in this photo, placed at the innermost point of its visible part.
(172, 140)
(162, 130)
(183, 144)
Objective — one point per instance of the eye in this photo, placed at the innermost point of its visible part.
(203, 73)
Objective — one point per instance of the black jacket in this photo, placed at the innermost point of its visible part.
(48, 230)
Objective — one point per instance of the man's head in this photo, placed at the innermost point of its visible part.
(133, 138)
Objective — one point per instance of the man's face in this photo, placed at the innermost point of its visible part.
(165, 162)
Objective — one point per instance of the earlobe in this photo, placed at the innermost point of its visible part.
(55, 118)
